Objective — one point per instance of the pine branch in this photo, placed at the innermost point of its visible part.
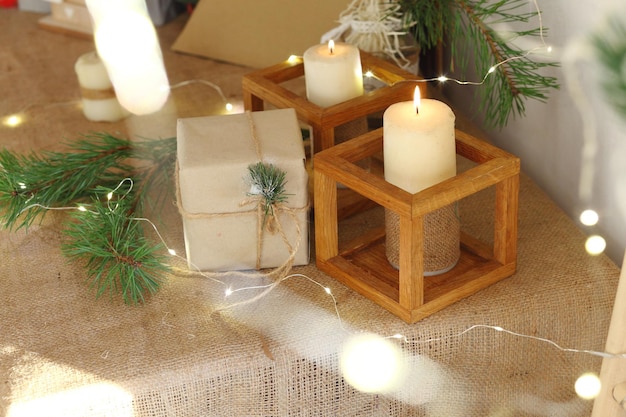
(611, 51)
(430, 20)
(117, 255)
(29, 184)
(108, 237)
(513, 76)
(268, 182)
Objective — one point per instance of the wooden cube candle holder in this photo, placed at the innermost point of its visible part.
(362, 264)
(265, 86)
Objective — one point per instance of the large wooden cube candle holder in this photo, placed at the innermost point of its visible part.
(362, 265)
(267, 85)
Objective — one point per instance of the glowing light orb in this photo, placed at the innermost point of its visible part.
(588, 386)
(595, 245)
(13, 120)
(371, 363)
(589, 217)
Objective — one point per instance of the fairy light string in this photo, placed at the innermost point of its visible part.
(15, 119)
(327, 290)
(589, 133)
(267, 288)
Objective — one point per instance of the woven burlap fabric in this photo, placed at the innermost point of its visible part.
(442, 235)
(63, 353)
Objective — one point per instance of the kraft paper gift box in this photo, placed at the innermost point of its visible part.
(220, 217)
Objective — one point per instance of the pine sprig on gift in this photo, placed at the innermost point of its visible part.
(114, 181)
(513, 76)
(268, 182)
(610, 48)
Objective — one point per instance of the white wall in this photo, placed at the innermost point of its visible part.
(550, 140)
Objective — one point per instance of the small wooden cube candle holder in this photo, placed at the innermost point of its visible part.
(362, 264)
(265, 86)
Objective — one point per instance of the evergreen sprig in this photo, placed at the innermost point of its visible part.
(610, 47)
(117, 180)
(513, 76)
(117, 255)
(29, 184)
(268, 182)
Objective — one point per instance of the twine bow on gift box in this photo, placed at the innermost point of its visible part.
(267, 190)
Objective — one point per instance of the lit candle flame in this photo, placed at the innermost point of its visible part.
(416, 100)
(331, 46)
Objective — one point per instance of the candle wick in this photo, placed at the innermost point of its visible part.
(417, 109)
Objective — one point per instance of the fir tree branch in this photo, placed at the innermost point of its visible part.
(430, 20)
(29, 184)
(111, 244)
(610, 48)
(513, 76)
(108, 237)
(268, 182)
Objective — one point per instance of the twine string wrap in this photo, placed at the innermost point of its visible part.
(93, 94)
(268, 221)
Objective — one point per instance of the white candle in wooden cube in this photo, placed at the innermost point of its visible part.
(418, 143)
(332, 73)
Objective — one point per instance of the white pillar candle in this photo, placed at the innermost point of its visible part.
(128, 45)
(418, 146)
(98, 97)
(332, 73)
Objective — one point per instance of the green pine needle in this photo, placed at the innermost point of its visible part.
(30, 184)
(108, 237)
(610, 47)
(515, 76)
(267, 181)
(111, 244)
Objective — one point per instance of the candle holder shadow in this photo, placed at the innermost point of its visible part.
(362, 265)
(266, 85)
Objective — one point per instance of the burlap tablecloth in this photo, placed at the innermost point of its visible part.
(62, 353)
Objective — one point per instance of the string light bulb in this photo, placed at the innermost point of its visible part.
(588, 386)
(589, 217)
(372, 364)
(13, 120)
(595, 245)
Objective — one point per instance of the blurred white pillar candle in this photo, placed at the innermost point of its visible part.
(127, 44)
(418, 146)
(332, 73)
(98, 97)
